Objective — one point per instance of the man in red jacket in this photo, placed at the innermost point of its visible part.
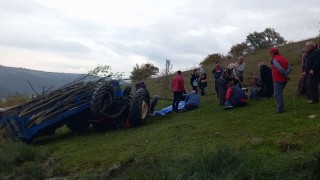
(280, 76)
(177, 89)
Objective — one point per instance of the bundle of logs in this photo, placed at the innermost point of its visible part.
(49, 105)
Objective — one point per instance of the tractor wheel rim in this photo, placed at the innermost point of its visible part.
(144, 109)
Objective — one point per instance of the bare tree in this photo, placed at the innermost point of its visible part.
(165, 80)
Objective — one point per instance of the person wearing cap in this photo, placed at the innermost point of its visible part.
(177, 86)
(312, 71)
(280, 75)
(192, 101)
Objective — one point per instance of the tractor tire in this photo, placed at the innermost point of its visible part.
(139, 108)
(153, 104)
(101, 97)
(79, 122)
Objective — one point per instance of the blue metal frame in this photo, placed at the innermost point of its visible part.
(13, 121)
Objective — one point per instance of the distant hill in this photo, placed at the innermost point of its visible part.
(15, 80)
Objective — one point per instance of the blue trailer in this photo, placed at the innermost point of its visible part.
(101, 103)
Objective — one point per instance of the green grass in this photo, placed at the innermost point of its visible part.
(208, 143)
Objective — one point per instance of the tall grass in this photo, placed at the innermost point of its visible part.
(13, 100)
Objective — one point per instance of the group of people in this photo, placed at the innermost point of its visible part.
(192, 99)
(228, 82)
(309, 81)
(198, 80)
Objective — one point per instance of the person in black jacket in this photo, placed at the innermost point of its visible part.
(194, 80)
(266, 78)
(312, 71)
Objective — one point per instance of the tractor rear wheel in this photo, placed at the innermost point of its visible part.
(139, 108)
(79, 122)
(101, 97)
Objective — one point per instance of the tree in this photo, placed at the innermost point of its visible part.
(104, 71)
(256, 41)
(165, 80)
(239, 49)
(143, 71)
(273, 38)
(211, 59)
(268, 38)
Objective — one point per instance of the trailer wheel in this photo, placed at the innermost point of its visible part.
(139, 108)
(101, 97)
(79, 122)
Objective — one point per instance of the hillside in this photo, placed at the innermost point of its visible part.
(14, 80)
(208, 143)
(291, 51)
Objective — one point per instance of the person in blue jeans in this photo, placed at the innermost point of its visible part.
(280, 75)
(192, 101)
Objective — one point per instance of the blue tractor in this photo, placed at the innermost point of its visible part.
(101, 103)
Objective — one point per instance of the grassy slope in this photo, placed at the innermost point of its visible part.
(266, 145)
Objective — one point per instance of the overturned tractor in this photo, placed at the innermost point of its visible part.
(101, 103)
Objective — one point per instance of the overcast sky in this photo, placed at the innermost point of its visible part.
(77, 35)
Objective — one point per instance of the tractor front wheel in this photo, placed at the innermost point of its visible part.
(139, 108)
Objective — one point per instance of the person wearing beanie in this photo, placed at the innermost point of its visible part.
(280, 75)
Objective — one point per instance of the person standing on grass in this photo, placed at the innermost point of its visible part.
(238, 71)
(177, 89)
(216, 72)
(312, 71)
(194, 80)
(266, 78)
(302, 85)
(203, 81)
(280, 76)
(223, 82)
